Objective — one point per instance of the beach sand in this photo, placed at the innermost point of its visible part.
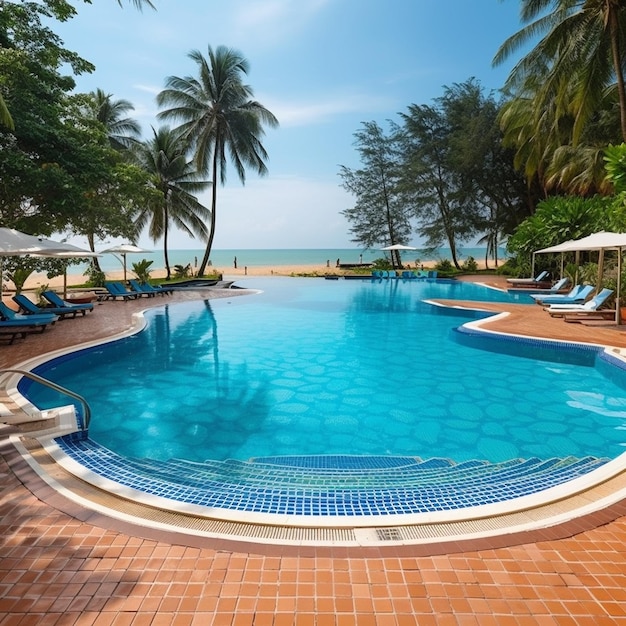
(229, 273)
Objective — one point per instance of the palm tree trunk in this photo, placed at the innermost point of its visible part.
(209, 245)
(166, 257)
(92, 246)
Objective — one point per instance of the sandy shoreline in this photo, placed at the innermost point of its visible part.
(229, 273)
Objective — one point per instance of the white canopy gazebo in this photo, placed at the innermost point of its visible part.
(600, 241)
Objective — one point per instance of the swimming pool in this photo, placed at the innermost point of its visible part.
(313, 367)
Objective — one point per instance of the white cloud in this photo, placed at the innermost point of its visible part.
(292, 114)
(279, 212)
(272, 21)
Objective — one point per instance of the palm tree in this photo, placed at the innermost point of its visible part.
(122, 131)
(5, 115)
(582, 51)
(139, 4)
(176, 178)
(219, 119)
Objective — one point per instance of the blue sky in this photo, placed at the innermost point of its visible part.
(323, 67)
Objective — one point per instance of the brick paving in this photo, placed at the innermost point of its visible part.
(61, 568)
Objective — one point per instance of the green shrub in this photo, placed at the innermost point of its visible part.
(382, 264)
(444, 265)
(95, 277)
(470, 264)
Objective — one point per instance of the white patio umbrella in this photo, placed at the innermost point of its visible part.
(124, 249)
(16, 243)
(397, 247)
(72, 252)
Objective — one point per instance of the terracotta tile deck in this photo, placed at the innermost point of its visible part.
(57, 568)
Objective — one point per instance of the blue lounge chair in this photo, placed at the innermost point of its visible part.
(577, 295)
(11, 318)
(530, 282)
(558, 286)
(28, 307)
(137, 289)
(590, 306)
(54, 299)
(168, 291)
(148, 289)
(117, 290)
(10, 332)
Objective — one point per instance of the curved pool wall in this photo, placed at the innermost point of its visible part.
(366, 482)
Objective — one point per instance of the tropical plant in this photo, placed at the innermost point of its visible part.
(559, 219)
(122, 131)
(541, 133)
(220, 119)
(142, 270)
(615, 164)
(579, 56)
(175, 179)
(19, 276)
(182, 271)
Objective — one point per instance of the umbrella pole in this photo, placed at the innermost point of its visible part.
(618, 312)
(600, 268)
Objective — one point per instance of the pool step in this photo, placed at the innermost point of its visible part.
(327, 486)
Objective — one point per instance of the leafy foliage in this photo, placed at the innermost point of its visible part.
(220, 119)
(175, 179)
(142, 270)
(615, 163)
(381, 214)
(559, 219)
(57, 169)
(458, 175)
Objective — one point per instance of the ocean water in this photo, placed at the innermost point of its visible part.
(224, 259)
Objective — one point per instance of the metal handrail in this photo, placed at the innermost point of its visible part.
(49, 383)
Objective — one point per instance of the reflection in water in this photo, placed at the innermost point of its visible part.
(362, 368)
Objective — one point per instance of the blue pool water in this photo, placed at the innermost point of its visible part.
(311, 367)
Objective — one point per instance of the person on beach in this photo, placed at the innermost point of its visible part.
(235, 263)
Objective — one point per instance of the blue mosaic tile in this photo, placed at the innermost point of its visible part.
(333, 486)
(531, 347)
